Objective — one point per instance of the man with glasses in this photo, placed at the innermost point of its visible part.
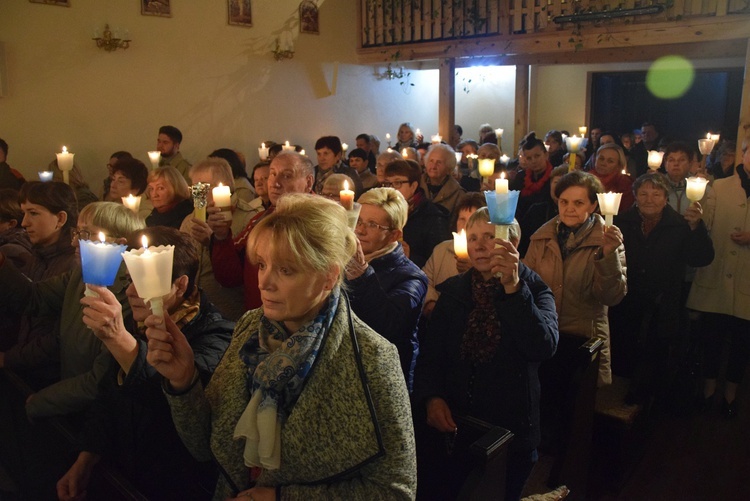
(288, 173)
(427, 224)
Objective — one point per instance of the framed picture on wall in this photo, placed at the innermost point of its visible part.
(156, 8)
(239, 12)
(63, 3)
(308, 17)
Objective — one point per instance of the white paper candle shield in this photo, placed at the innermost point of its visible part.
(609, 204)
(486, 167)
(65, 163)
(654, 159)
(154, 157)
(151, 271)
(45, 175)
(696, 188)
(132, 203)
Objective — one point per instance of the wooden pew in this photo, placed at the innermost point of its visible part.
(488, 449)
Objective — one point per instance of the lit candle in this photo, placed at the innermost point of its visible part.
(45, 175)
(437, 138)
(65, 163)
(154, 157)
(471, 160)
(389, 150)
(460, 245)
(263, 151)
(609, 204)
(714, 138)
(582, 130)
(132, 203)
(501, 185)
(504, 159)
(573, 144)
(419, 132)
(151, 272)
(654, 159)
(499, 133)
(404, 152)
(459, 155)
(625, 172)
(346, 197)
(302, 152)
(388, 137)
(287, 147)
(222, 199)
(344, 147)
(696, 188)
(100, 262)
(486, 167)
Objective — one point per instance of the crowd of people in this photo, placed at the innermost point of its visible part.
(311, 347)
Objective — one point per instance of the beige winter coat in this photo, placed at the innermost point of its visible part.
(724, 285)
(584, 287)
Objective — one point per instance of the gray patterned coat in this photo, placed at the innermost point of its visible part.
(347, 437)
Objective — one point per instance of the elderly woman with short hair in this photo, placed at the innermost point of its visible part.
(582, 261)
(490, 329)
(170, 195)
(660, 244)
(308, 402)
(387, 288)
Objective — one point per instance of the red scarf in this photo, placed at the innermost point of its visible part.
(530, 186)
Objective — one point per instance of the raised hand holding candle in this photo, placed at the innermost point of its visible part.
(65, 163)
(460, 246)
(696, 188)
(131, 202)
(45, 176)
(199, 191)
(223, 200)
(263, 151)
(609, 204)
(346, 197)
(151, 271)
(100, 262)
(654, 159)
(154, 157)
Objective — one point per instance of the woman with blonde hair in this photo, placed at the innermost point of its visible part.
(170, 196)
(387, 289)
(308, 402)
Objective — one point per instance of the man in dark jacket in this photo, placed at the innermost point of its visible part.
(130, 423)
(427, 224)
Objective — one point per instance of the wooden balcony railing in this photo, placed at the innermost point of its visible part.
(386, 23)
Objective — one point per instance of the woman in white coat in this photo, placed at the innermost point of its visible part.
(722, 289)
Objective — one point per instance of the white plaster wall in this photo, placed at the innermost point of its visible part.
(218, 83)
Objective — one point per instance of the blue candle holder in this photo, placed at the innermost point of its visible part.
(100, 261)
(502, 207)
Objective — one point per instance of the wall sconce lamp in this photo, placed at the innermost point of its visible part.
(109, 42)
(390, 73)
(284, 47)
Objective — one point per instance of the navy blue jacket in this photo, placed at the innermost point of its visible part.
(426, 226)
(505, 390)
(389, 297)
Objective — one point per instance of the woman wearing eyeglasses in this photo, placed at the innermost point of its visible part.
(387, 289)
(49, 214)
(83, 361)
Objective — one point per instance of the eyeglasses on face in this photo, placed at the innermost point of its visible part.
(393, 184)
(80, 235)
(371, 225)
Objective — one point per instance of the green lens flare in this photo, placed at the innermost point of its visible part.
(670, 77)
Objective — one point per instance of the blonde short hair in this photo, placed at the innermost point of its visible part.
(391, 201)
(115, 219)
(482, 215)
(174, 178)
(217, 168)
(307, 230)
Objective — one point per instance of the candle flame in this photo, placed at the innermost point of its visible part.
(101, 237)
(220, 185)
(403, 153)
(301, 152)
(64, 150)
(502, 175)
(263, 145)
(346, 185)
(708, 136)
(287, 144)
(144, 242)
